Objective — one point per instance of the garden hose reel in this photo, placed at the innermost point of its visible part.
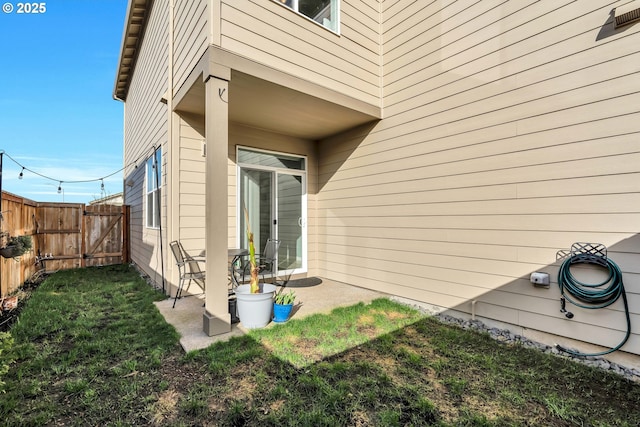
(590, 295)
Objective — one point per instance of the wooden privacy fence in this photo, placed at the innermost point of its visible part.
(17, 214)
(65, 236)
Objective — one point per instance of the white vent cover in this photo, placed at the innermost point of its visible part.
(627, 14)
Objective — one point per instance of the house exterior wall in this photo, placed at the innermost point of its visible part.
(145, 125)
(349, 64)
(190, 197)
(510, 132)
(276, 36)
(191, 37)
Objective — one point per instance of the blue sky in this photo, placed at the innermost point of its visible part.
(57, 114)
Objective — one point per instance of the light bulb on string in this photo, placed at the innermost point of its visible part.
(60, 187)
(102, 185)
(21, 173)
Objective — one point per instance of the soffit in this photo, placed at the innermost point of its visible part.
(265, 105)
(131, 38)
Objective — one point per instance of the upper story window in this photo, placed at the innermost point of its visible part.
(324, 12)
(154, 185)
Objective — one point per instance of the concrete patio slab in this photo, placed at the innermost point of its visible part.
(313, 295)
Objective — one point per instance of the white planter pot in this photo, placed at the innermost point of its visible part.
(254, 310)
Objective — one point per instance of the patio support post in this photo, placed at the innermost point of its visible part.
(216, 318)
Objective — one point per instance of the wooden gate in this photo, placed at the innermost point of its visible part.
(77, 235)
(105, 240)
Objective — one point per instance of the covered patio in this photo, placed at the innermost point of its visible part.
(313, 295)
(230, 112)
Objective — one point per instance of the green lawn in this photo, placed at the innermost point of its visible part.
(90, 348)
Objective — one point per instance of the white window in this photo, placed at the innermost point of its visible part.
(154, 185)
(324, 12)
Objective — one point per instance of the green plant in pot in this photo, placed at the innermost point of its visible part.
(282, 305)
(255, 300)
(16, 246)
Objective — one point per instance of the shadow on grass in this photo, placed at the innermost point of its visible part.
(417, 372)
(91, 348)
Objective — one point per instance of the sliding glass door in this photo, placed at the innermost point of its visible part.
(256, 189)
(272, 187)
(290, 222)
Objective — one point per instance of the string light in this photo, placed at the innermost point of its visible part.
(133, 163)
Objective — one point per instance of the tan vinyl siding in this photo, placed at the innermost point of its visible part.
(511, 131)
(191, 187)
(280, 38)
(360, 23)
(146, 126)
(191, 34)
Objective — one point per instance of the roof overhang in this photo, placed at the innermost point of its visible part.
(272, 100)
(266, 105)
(257, 103)
(137, 12)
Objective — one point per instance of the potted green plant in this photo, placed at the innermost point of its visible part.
(282, 305)
(16, 246)
(255, 300)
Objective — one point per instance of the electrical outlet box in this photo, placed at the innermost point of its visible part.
(540, 279)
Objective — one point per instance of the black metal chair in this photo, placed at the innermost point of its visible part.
(189, 269)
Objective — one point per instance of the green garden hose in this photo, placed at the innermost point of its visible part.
(592, 296)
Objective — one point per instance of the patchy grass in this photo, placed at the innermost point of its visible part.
(306, 341)
(90, 348)
(87, 343)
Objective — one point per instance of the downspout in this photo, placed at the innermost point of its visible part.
(158, 178)
(380, 59)
(169, 95)
(171, 157)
